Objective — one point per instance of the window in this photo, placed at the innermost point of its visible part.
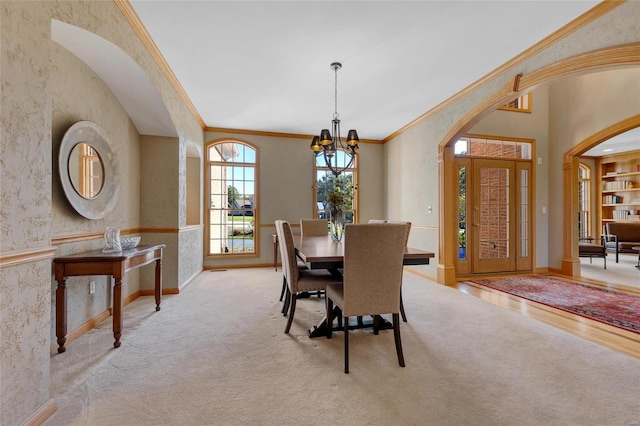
(520, 104)
(324, 181)
(232, 199)
(584, 202)
(494, 148)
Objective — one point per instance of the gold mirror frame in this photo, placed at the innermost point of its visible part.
(104, 202)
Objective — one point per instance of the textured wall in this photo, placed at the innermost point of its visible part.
(25, 205)
(44, 90)
(285, 168)
(79, 94)
(532, 126)
(580, 107)
(419, 174)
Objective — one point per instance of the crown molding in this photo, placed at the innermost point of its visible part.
(274, 134)
(133, 19)
(584, 19)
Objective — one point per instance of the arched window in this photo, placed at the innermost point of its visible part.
(324, 181)
(584, 201)
(231, 189)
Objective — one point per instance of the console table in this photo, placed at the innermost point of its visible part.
(95, 262)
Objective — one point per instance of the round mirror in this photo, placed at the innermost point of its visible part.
(88, 171)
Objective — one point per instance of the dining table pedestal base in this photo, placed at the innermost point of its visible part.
(355, 323)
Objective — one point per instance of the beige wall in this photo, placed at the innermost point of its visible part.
(78, 94)
(45, 89)
(399, 178)
(285, 192)
(529, 126)
(578, 108)
(411, 183)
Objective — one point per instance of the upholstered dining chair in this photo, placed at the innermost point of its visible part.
(406, 243)
(300, 263)
(298, 281)
(373, 255)
(314, 227)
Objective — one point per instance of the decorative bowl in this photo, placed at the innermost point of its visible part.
(129, 243)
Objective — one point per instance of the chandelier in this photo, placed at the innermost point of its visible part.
(327, 143)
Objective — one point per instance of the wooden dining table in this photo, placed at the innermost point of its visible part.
(324, 253)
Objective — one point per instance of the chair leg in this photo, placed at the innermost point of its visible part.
(329, 317)
(404, 317)
(287, 300)
(346, 345)
(291, 313)
(284, 286)
(396, 335)
(376, 324)
(605, 260)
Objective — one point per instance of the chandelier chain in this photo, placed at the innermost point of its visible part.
(335, 71)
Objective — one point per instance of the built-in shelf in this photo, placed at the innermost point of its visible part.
(619, 185)
(618, 175)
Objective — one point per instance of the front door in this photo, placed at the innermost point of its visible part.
(497, 228)
(493, 216)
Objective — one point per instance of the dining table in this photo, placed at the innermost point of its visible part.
(320, 252)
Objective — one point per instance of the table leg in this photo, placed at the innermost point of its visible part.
(117, 311)
(158, 288)
(61, 314)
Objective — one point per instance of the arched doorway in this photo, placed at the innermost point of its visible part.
(520, 84)
(570, 261)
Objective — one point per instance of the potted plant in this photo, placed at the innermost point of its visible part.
(462, 243)
(340, 200)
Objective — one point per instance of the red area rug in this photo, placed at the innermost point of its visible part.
(607, 306)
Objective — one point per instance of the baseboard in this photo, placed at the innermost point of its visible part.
(420, 274)
(152, 292)
(541, 271)
(39, 416)
(252, 265)
(89, 325)
(93, 322)
(556, 271)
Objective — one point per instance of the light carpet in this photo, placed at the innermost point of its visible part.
(216, 354)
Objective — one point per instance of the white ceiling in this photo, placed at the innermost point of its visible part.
(627, 141)
(264, 65)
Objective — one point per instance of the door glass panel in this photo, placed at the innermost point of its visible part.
(462, 212)
(494, 213)
(524, 219)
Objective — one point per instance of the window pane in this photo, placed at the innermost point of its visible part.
(231, 198)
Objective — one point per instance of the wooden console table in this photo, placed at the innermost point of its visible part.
(96, 262)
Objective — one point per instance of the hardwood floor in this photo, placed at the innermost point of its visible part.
(615, 338)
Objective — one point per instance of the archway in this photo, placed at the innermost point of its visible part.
(570, 260)
(516, 86)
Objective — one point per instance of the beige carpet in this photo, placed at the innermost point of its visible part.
(217, 355)
(622, 273)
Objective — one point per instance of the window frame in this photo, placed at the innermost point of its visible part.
(525, 100)
(209, 163)
(356, 191)
(584, 189)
